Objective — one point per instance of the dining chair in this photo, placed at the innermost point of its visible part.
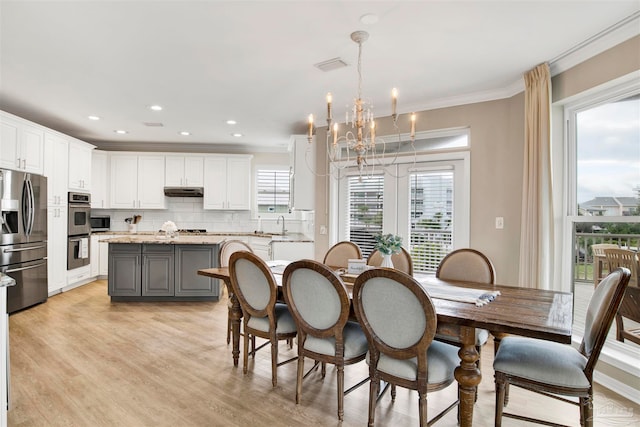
(399, 320)
(629, 309)
(618, 257)
(468, 265)
(339, 254)
(226, 249)
(554, 369)
(401, 261)
(599, 258)
(320, 305)
(256, 290)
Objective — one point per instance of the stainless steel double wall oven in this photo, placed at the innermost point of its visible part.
(79, 230)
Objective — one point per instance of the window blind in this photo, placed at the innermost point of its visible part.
(273, 190)
(365, 203)
(431, 214)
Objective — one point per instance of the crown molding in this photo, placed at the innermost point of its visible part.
(604, 40)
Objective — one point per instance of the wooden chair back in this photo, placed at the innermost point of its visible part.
(339, 254)
(629, 309)
(229, 247)
(601, 310)
(467, 265)
(398, 318)
(617, 257)
(317, 298)
(254, 285)
(401, 261)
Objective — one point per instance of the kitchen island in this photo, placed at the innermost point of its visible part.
(158, 268)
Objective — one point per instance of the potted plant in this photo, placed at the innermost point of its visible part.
(387, 245)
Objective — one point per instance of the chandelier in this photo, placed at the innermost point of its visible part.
(360, 134)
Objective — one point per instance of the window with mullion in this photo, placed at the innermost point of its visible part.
(273, 190)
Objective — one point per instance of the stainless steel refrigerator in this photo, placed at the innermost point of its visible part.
(23, 240)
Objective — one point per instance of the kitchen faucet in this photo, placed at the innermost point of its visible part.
(278, 222)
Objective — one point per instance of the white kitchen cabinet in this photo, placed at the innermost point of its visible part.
(184, 171)
(302, 161)
(95, 255)
(99, 180)
(227, 182)
(137, 181)
(103, 247)
(21, 145)
(56, 248)
(56, 163)
(292, 251)
(80, 165)
(261, 246)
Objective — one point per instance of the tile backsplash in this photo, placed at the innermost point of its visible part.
(187, 212)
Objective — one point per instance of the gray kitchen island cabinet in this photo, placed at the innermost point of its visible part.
(190, 259)
(166, 271)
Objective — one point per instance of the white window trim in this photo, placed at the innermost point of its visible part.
(267, 215)
(391, 225)
(616, 354)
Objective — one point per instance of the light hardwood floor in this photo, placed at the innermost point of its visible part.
(80, 360)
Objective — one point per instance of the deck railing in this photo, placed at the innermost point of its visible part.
(583, 255)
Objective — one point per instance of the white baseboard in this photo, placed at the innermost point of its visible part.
(618, 387)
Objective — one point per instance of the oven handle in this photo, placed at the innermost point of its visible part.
(30, 248)
(13, 270)
(76, 240)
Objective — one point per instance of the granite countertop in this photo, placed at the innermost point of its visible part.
(195, 238)
(153, 238)
(6, 281)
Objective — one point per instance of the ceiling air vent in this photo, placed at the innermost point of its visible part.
(153, 124)
(331, 64)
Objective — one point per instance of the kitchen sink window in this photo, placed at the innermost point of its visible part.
(273, 190)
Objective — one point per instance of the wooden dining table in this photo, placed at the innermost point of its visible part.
(526, 312)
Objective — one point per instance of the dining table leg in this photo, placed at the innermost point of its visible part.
(467, 374)
(235, 314)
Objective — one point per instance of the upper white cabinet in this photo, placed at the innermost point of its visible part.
(227, 182)
(56, 162)
(99, 180)
(184, 171)
(137, 181)
(21, 145)
(80, 165)
(302, 158)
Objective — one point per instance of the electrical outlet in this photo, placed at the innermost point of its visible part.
(499, 223)
(323, 229)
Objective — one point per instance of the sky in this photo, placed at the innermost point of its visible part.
(608, 151)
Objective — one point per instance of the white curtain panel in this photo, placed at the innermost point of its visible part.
(536, 236)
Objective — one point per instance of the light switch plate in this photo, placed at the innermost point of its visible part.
(499, 223)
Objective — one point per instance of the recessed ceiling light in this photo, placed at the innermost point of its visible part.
(231, 122)
(237, 135)
(369, 18)
(184, 133)
(93, 117)
(156, 107)
(120, 131)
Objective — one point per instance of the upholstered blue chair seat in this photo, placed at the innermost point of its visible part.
(355, 342)
(285, 323)
(482, 335)
(443, 359)
(542, 361)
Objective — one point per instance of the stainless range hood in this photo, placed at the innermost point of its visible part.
(183, 191)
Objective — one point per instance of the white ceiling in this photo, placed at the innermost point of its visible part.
(253, 61)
